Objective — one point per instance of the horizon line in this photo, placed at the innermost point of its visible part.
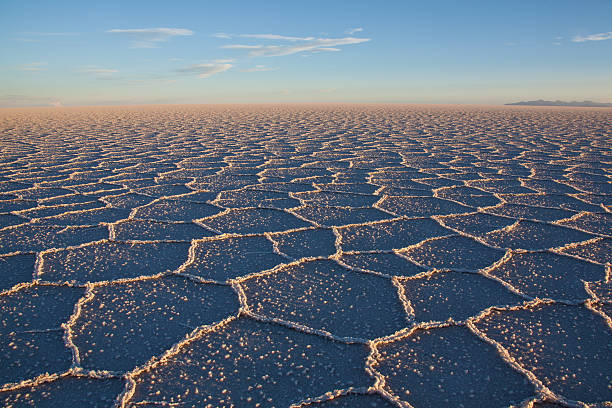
(508, 105)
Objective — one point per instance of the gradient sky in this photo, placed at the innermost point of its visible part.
(132, 52)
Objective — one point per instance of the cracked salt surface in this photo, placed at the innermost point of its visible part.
(547, 275)
(449, 366)
(16, 269)
(338, 256)
(31, 319)
(569, 348)
(244, 362)
(66, 391)
(440, 296)
(172, 307)
(322, 295)
(110, 260)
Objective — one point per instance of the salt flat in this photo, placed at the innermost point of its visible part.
(306, 256)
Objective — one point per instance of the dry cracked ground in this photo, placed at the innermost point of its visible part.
(306, 256)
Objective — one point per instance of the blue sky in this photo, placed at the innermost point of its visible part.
(136, 52)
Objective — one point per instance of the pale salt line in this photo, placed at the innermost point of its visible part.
(505, 198)
(596, 234)
(47, 378)
(24, 285)
(589, 291)
(242, 298)
(543, 391)
(153, 241)
(276, 247)
(330, 396)
(401, 294)
(537, 221)
(332, 192)
(130, 386)
(81, 372)
(300, 229)
(275, 269)
(379, 190)
(20, 213)
(39, 331)
(369, 251)
(61, 228)
(487, 273)
(38, 265)
(199, 279)
(258, 187)
(315, 204)
(160, 403)
(304, 329)
(337, 258)
(105, 241)
(337, 241)
(40, 379)
(402, 252)
(377, 222)
(577, 197)
(68, 335)
(437, 190)
(84, 211)
(591, 305)
(560, 250)
(323, 190)
(379, 385)
(481, 240)
(75, 283)
(377, 205)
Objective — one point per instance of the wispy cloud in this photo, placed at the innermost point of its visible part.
(206, 70)
(296, 44)
(258, 68)
(320, 44)
(328, 49)
(263, 37)
(593, 37)
(150, 37)
(241, 47)
(99, 73)
(34, 67)
(275, 37)
(352, 31)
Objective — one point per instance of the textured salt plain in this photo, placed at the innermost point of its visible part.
(306, 256)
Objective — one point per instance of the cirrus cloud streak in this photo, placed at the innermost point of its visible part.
(150, 37)
(206, 70)
(297, 45)
(593, 37)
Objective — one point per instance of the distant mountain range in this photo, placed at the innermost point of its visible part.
(541, 102)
